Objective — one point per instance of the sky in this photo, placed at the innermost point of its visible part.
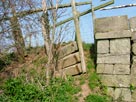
(86, 26)
(86, 21)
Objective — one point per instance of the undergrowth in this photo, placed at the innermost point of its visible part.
(17, 90)
(6, 59)
(30, 86)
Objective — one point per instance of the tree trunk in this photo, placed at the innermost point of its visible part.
(18, 38)
(17, 35)
(47, 45)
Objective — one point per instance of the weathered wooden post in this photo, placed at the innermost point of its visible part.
(78, 36)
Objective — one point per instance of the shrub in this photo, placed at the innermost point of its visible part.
(6, 60)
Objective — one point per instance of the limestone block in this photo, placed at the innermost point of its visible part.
(69, 60)
(114, 34)
(118, 69)
(134, 59)
(68, 49)
(133, 23)
(121, 69)
(133, 74)
(120, 46)
(105, 68)
(123, 93)
(73, 70)
(111, 24)
(111, 59)
(103, 46)
(116, 80)
(134, 48)
(110, 91)
(134, 96)
(133, 36)
(120, 94)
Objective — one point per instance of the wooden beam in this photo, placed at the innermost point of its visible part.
(68, 49)
(24, 13)
(69, 60)
(73, 70)
(86, 12)
(78, 36)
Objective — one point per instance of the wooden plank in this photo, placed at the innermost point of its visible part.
(69, 60)
(73, 70)
(68, 49)
(78, 36)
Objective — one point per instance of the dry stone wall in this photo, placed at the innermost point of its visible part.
(113, 37)
(133, 67)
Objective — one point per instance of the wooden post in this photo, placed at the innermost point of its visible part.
(78, 36)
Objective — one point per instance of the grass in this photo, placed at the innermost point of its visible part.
(94, 80)
(97, 98)
(87, 46)
(99, 91)
(17, 90)
(31, 86)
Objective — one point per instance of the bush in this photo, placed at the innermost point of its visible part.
(6, 60)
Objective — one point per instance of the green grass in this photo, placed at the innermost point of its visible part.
(97, 98)
(86, 46)
(17, 90)
(94, 80)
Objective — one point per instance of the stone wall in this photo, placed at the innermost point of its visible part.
(113, 37)
(133, 67)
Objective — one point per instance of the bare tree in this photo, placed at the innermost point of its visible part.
(9, 8)
(52, 35)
